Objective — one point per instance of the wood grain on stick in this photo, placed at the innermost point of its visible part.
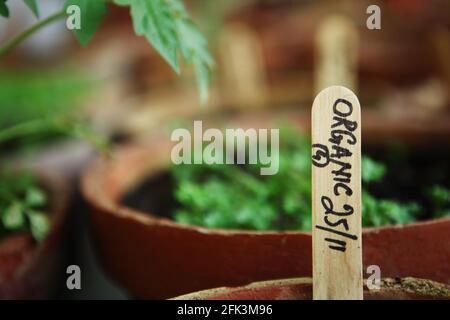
(336, 195)
(337, 43)
(243, 67)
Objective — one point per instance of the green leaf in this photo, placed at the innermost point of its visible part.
(83, 131)
(444, 214)
(203, 74)
(439, 196)
(167, 26)
(39, 224)
(195, 52)
(92, 12)
(13, 217)
(153, 19)
(20, 196)
(238, 197)
(372, 171)
(194, 47)
(35, 197)
(33, 7)
(4, 11)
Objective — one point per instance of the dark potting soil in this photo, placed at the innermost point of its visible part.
(421, 287)
(410, 172)
(154, 195)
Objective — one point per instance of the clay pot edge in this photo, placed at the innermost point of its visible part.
(93, 177)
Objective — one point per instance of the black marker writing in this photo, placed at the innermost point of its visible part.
(338, 156)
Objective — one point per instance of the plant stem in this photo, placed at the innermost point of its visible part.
(27, 128)
(64, 126)
(25, 34)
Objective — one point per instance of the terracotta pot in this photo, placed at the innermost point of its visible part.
(154, 257)
(301, 289)
(29, 270)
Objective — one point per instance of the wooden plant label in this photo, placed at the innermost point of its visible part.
(244, 70)
(337, 43)
(336, 195)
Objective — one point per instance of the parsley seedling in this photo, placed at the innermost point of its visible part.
(237, 197)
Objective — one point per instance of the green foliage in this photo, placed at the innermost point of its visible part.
(36, 107)
(22, 202)
(225, 196)
(212, 15)
(380, 212)
(22, 205)
(30, 97)
(92, 12)
(167, 26)
(237, 197)
(440, 199)
(83, 131)
(4, 11)
(153, 19)
(164, 23)
(371, 170)
(33, 7)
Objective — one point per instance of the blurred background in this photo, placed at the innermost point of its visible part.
(272, 58)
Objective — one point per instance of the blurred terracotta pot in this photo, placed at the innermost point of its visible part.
(382, 52)
(154, 257)
(301, 289)
(289, 63)
(29, 270)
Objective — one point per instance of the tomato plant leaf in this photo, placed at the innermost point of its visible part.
(92, 12)
(35, 197)
(39, 224)
(167, 26)
(153, 19)
(13, 217)
(33, 7)
(194, 49)
(21, 204)
(4, 11)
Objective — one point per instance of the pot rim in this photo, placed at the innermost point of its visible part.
(96, 173)
(208, 293)
(387, 284)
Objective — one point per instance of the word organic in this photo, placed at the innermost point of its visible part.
(212, 147)
(338, 157)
